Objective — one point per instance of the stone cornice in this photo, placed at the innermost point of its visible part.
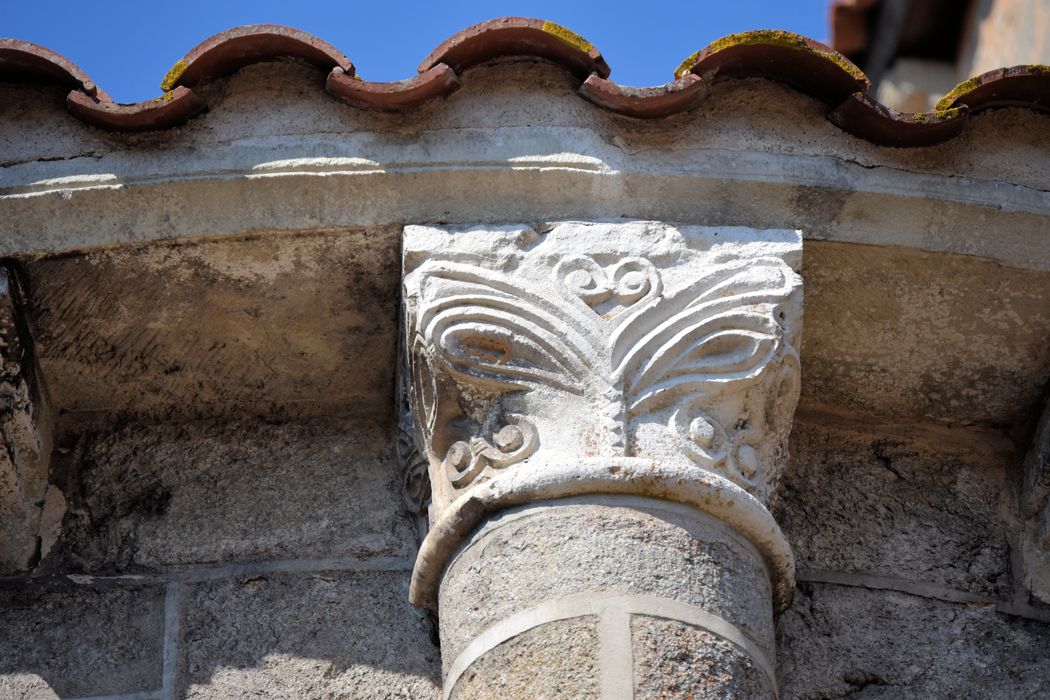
(43, 203)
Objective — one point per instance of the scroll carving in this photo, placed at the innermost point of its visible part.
(602, 340)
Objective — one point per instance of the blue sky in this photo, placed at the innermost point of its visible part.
(126, 47)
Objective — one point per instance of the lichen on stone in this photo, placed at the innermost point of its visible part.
(567, 36)
(770, 37)
(171, 78)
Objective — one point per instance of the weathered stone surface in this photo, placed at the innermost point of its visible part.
(599, 341)
(859, 502)
(562, 550)
(318, 635)
(611, 357)
(272, 119)
(838, 642)
(555, 660)
(274, 325)
(910, 312)
(78, 641)
(892, 331)
(674, 660)
(150, 496)
(585, 358)
(1035, 511)
(25, 428)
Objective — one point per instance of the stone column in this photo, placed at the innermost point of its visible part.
(602, 412)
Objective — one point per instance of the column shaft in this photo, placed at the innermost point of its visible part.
(612, 597)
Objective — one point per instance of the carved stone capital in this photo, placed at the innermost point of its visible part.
(629, 358)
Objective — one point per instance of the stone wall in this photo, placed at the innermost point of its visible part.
(909, 585)
(250, 559)
(221, 560)
(215, 311)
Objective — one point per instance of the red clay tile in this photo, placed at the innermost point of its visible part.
(519, 36)
(805, 64)
(22, 60)
(645, 103)
(235, 48)
(439, 81)
(1020, 86)
(862, 116)
(172, 109)
(802, 63)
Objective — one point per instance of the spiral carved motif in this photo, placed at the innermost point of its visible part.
(665, 356)
(624, 282)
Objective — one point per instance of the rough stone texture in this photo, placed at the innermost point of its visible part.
(673, 660)
(839, 642)
(78, 641)
(861, 502)
(271, 325)
(23, 479)
(150, 496)
(524, 147)
(1035, 510)
(25, 429)
(555, 660)
(571, 549)
(892, 331)
(321, 635)
(274, 119)
(941, 313)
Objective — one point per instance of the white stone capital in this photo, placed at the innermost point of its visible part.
(602, 357)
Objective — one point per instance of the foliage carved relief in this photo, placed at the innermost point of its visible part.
(681, 355)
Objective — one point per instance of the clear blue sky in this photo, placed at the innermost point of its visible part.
(127, 46)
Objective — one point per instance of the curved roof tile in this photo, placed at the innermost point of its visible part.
(802, 63)
(22, 60)
(235, 48)
(805, 64)
(171, 109)
(519, 36)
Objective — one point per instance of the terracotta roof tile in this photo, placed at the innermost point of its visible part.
(862, 116)
(645, 103)
(802, 63)
(172, 109)
(518, 36)
(235, 48)
(1020, 86)
(438, 81)
(808, 65)
(21, 60)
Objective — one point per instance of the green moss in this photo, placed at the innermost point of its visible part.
(776, 37)
(936, 115)
(973, 83)
(845, 64)
(171, 78)
(770, 37)
(567, 36)
(957, 92)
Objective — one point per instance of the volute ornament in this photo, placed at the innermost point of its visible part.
(622, 347)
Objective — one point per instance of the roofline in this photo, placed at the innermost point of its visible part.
(801, 63)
